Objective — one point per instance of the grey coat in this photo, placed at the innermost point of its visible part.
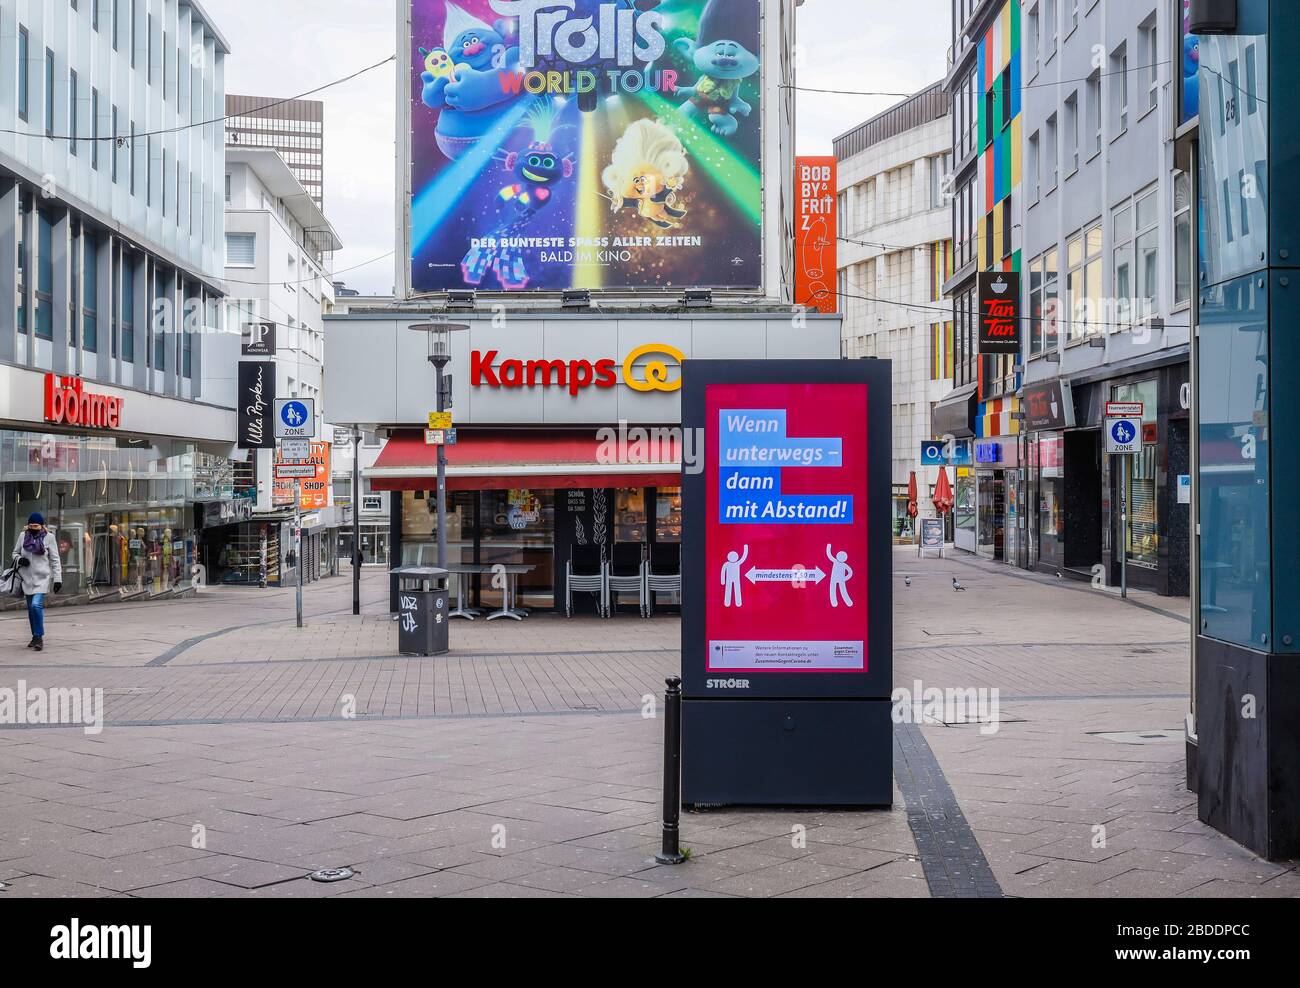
(45, 570)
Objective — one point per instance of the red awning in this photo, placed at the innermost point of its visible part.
(555, 459)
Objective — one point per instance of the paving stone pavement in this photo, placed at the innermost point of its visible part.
(522, 766)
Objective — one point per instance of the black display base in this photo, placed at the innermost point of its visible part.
(1190, 756)
(787, 753)
(1248, 748)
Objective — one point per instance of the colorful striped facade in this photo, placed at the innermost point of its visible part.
(999, 72)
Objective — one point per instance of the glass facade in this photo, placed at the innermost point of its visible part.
(122, 513)
(532, 528)
(1235, 561)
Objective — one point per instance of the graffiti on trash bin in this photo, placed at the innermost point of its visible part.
(408, 605)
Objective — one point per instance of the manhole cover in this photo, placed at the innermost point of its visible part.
(331, 875)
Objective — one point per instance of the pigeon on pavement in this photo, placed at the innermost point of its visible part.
(956, 585)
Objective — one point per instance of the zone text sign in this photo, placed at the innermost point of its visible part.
(295, 418)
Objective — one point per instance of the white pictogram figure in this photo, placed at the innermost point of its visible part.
(841, 573)
(731, 577)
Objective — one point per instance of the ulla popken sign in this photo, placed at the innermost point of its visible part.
(256, 401)
(999, 315)
(67, 402)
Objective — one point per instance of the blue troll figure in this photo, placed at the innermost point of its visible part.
(469, 94)
(1191, 63)
(536, 171)
(725, 53)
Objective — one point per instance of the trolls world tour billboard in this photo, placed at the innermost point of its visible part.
(593, 144)
(786, 528)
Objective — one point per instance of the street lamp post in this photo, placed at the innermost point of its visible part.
(356, 520)
(439, 354)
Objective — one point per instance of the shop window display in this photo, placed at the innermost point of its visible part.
(122, 515)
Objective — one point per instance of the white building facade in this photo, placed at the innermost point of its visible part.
(110, 286)
(1107, 285)
(895, 253)
(277, 249)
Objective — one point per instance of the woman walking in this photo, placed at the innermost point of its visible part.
(36, 555)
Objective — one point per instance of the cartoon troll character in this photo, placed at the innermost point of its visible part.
(645, 173)
(725, 53)
(537, 171)
(465, 86)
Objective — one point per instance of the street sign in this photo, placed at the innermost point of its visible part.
(1124, 409)
(295, 449)
(295, 471)
(295, 418)
(440, 437)
(440, 420)
(1123, 436)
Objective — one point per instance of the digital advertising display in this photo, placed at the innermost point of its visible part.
(786, 488)
(598, 144)
(787, 596)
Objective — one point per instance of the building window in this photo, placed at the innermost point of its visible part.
(1083, 283)
(1119, 89)
(114, 15)
(1050, 28)
(72, 111)
(1150, 61)
(1035, 41)
(1005, 90)
(988, 241)
(23, 261)
(148, 49)
(90, 291)
(113, 150)
(1051, 165)
(24, 87)
(840, 212)
(241, 250)
(131, 154)
(1007, 227)
(94, 129)
(1094, 113)
(44, 275)
(1136, 230)
(1071, 151)
(128, 306)
(49, 93)
(1182, 239)
(1035, 166)
(134, 21)
(162, 326)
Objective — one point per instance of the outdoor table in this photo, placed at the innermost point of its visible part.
(510, 592)
(463, 570)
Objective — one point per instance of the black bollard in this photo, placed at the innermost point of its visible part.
(672, 853)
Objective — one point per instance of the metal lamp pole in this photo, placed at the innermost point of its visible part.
(438, 366)
(439, 354)
(356, 519)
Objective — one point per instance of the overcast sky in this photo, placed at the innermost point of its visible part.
(285, 47)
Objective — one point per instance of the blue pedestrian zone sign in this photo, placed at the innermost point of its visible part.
(936, 453)
(1123, 436)
(295, 418)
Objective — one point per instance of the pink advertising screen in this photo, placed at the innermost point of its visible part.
(786, 532)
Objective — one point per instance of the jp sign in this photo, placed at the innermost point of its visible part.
(295, 418)
(999, 312)
(786, 583)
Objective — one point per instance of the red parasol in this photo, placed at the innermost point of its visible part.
(943, 499)
(912, 509)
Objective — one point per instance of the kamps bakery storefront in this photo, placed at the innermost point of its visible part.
(566, 427)
(124, 478)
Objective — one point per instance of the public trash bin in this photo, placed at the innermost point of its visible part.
(422, 610)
